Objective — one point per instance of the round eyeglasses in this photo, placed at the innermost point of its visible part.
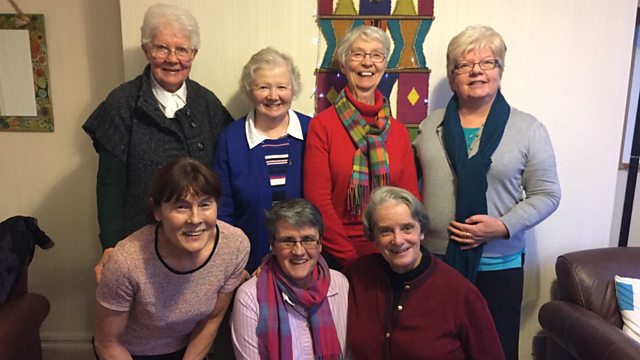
(289, 244)
(162, 52)
(375, 56)
(466, 67)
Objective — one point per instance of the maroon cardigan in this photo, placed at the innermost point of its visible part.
(441, 315)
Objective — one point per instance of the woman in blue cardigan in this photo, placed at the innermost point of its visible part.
(259, 157)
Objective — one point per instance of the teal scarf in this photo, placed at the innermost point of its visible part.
(471, 174)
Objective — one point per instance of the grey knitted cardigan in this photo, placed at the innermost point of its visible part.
(130, 125)
(523, 187)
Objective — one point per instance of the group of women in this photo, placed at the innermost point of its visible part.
(488, 175)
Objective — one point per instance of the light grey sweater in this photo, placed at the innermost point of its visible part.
(523, 187)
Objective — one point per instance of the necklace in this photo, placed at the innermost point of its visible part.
(470, 134)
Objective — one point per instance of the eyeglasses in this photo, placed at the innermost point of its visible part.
(264, 89)
(375, 56)
(307, 243)
(162, 52)
(467, 67)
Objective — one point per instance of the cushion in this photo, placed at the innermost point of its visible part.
(628, 295)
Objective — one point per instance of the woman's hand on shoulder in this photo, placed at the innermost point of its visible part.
(258, 270)
(476, 230)
(101, 263)
(245, 276)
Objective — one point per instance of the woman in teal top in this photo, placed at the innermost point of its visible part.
(489, 175)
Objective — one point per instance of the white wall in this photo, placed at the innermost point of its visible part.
(568, 63)
(634, 227)
(231, 31)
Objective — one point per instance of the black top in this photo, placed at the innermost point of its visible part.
(397, 280)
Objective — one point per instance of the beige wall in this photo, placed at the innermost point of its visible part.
(568, 63)
(231, 31)
(51, 176)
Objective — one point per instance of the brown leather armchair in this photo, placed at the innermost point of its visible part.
(20, 320)
(584, 322)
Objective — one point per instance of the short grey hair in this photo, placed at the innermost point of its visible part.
(160, 15)
(473, 38)
(362, 32)
(270, 58)
(297, 212)
(386, 194)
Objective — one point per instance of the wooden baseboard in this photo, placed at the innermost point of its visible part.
(67, 347)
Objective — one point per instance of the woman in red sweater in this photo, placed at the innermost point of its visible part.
(355, 146)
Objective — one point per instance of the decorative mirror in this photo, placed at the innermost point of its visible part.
(25, 99)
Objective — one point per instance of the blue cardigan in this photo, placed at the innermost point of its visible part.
(246, 191)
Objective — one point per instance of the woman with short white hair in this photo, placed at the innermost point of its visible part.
(355, 146)
(489, 175)
(160, 115)
(259, 156)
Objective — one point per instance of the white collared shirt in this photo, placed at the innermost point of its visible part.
(169, 102)
(255, 138)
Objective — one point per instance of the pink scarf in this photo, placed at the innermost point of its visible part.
(274, 333)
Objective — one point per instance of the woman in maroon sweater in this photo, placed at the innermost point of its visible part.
(355, 146)
(405, 303)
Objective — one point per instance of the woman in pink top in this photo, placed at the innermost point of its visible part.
(167, 286)
(355, 146)
(296, 308)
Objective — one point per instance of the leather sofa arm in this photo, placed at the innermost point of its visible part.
(584, 334)
(20, 321)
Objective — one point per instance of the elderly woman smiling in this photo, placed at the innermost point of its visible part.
(145, 122)
(297, 307)
(259, 157)
(489, 176)
(405, 303)
(356, 146)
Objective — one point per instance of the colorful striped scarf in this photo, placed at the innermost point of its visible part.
(274, 333)
(371, 162)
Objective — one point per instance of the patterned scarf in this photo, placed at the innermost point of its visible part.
(274, 333)
(371, 162)
(471, 174)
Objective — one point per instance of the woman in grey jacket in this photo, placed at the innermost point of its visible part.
(489, 175)
(150, 120)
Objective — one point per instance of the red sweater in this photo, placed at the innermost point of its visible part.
(327, 171)
(440, 315)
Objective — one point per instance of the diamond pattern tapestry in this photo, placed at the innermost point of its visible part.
(406, 81)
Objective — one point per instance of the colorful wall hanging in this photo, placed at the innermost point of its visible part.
(43, 120)
(407, 75)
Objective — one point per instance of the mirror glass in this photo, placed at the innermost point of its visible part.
(16, 76)
(25, 101)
